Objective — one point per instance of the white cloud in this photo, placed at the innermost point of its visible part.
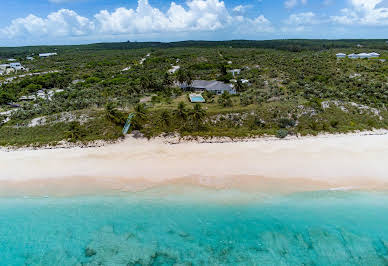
(196, 16)
(293, 3)
(300, 22)
(302, 19)
(363, 12)
(241, 8)
(58, 24)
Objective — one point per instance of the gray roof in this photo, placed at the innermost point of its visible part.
(212, 85)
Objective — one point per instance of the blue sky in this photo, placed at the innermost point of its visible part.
(32, 22)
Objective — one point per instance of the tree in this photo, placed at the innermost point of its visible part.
(167, 81)
(225, 100)
(75, 132)
(181, 112)
(140, 117)
(240, 87)
(181, 76)
(197, 116)
(223, 70)
(165, 119)
(184, 77)
(5, 97)
(114, 115)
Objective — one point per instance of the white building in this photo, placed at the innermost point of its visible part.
(4, 66)
(364, 55)
(353, 56)
(47, 54)
(340, 55)
(29, 58)
(16, 66)
(374, 55)
(11, 60)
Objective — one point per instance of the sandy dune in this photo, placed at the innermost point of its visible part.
(358, 161)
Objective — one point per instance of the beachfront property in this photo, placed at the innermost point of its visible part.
(216, 87)
(340, 55)
(47, 54)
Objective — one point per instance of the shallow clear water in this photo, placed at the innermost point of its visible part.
(317, 228)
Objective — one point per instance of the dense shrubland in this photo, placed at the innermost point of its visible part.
(295, 87)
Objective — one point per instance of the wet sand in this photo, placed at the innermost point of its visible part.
(337, 162)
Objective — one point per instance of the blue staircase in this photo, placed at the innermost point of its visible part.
(128, 123)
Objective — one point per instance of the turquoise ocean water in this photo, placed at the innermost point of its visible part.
(315, 228)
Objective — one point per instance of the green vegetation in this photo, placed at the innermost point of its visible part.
(295, 87)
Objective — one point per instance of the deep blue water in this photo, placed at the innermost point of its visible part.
(317, 228)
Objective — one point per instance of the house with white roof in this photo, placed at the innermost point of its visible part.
(364, 55)
(16, 66)
(353, 56)
(47, 54)
(374, 55)
(340, 55)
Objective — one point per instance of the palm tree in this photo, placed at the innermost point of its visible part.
(239, 86)
(167, 80)
(165, 118)
(198, 115)
(181, 76)
(189, 78)
(181, 112)
(140, 116)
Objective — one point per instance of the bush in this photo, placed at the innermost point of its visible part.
(282, 133)
(285, 122)
(75, 132)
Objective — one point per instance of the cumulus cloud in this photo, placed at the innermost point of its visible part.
(195, 16)
(58, 24)
(201, 15)
(363, 12)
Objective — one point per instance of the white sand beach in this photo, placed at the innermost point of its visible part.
(338, 162)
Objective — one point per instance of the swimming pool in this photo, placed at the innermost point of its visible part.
(197, 99)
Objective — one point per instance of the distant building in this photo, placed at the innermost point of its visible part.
(16, 66)
(374, 55)
(4, 66)
(11, 60)
(353, 56)
(340, 55)
(214, 86)
(47, 54)
(30, 58)
(364, 55)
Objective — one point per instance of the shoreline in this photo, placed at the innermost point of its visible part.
(267, 165)
(176, 140)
